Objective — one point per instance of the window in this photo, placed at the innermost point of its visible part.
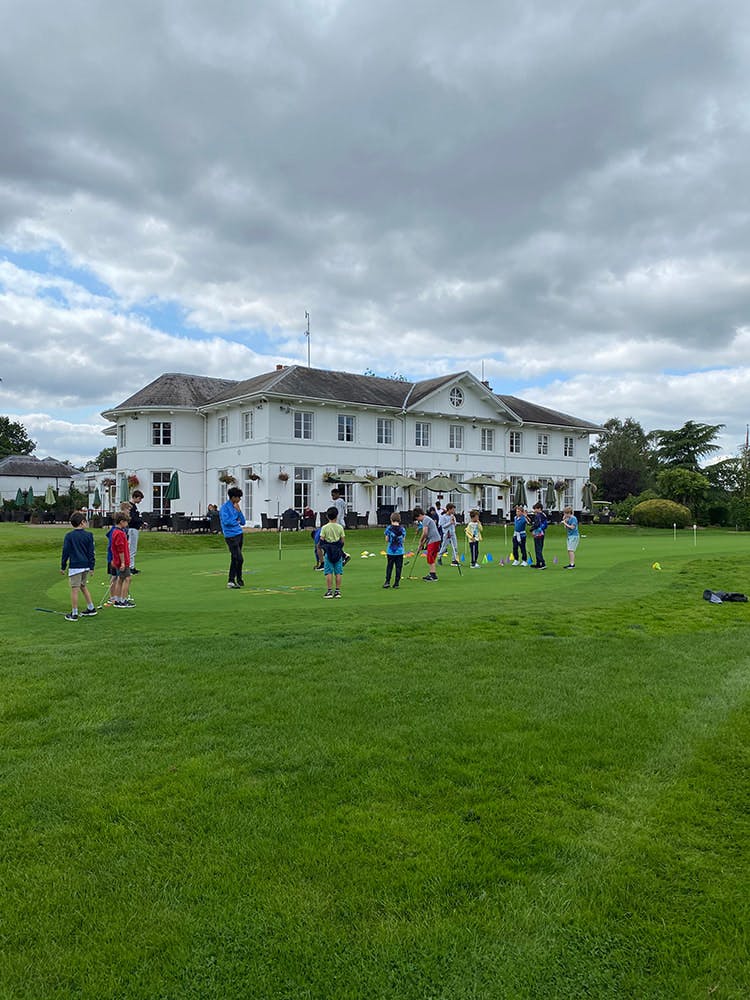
(122, 435)
(385, 430)
(487, 497)
(514, 443)
(246, 486)
(303, 425)
(159, 485)
(422, 498)
(247, 425)
(223, 430)
(542, 444)
(569, 498)
(422, 434)
(568, 448)
(455, 436)
(385, 496)
(346, 427)
(161, 432)
(303, 477)
(456, 397)
(487, 440)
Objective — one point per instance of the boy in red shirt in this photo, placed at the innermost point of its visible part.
(121, 563)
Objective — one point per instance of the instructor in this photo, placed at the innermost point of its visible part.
(232, 522)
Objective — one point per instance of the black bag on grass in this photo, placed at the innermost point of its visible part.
(722, 596)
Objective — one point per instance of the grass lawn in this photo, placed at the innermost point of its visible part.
(509, 784)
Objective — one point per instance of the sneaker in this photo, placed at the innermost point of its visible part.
(395, 586)
(428, 578)
(122, 604)
(386, 586)
(569, 567)
(454, 562)
(318, 569)
(523, 565)
(129, 602)
(475, 566)
(440, 561)
(328, 593)
(70, 617)
(346, 559)
(232, 585)
(134, 570)
(240, 583)
(543, 566)
(337, 593)
(88, 611)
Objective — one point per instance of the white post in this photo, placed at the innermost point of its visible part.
(674, 530)
(695, 536)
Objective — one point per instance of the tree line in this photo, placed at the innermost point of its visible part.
(630, 465)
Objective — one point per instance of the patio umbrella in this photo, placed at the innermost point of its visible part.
(551, 497)
(97, 499)
(519, 498)
(124, 491)
(49, 496)
(394, 479)
(30, 496)
(19, 497)
(587, 496)
(173, 490)
(481, 481)
(443, 484)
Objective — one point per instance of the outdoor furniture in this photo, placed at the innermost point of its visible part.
(290, 522)
(363, 520)
(269, 523)
(350, 519)
(308, 522)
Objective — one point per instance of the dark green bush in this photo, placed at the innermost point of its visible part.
(661, 514)
(739, 512)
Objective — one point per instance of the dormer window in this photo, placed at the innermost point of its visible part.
(456, 397)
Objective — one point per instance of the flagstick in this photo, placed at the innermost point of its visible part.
(674, 531)
(695, 536)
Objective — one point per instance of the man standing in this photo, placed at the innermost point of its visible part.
(232, 522)
(429, 541)
(134, 526)
(339, 503)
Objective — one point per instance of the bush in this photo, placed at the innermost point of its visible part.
(661, 514)
(739, 512)
(624, 508)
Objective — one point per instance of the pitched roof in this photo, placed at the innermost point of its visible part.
(297, 382)
(29, 465)
(176, 390)
(531, 413)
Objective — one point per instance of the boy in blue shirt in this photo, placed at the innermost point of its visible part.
(395, 536)
(520, 523)
(538, 528)
(232, 522)
(78, 559)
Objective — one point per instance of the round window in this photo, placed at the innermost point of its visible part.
(456, 397)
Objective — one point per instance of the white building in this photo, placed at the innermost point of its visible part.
(25, 472)
(287, 435)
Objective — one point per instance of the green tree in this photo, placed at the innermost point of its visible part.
(106, 459)
(13, 438)
(691, 489)
(685, 447)
(623, 461)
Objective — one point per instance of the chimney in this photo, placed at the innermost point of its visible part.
(487, 384)
(280, 368)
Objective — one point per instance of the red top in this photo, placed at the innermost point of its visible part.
(120, 548)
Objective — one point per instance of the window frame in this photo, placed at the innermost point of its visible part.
(303, 422)
(164, 432)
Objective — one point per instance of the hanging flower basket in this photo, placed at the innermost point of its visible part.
(533, 484)
(328, 477)
(226, 478)
(133, 481)
(283, 477)
(109, 482)
(559, 485)
(254, 477)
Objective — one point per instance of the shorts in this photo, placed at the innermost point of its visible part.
(573, 542)
(79, 579)
(122, 574)
(337, 568)
(432, 551)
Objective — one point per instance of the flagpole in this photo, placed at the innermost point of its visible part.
(307, 334)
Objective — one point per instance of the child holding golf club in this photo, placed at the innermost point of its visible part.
(121, 562)
(332, 538)
(538, 528)
(78, 560)
(447, 524)
(395, 535)
(571, 524)
(429, 540)
(473, 531)
(520, 523)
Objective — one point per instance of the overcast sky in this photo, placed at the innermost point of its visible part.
(552, 195)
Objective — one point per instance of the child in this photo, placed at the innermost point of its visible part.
(571, 523)
(395, 536)
(332, 537)
(121, 562)
(134, 527)
(232, 522)
(519, 536)
(474, 534)
(538, 528)
(315, 535)
(79, 558)
(448, 525)
(429, 541)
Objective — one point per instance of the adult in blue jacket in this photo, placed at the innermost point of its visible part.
(232, 522)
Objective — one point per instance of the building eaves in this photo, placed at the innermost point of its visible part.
(315, 384)
(532, 413)
(174, 390)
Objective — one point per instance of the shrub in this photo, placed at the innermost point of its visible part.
(661, 514)
(739, 512)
